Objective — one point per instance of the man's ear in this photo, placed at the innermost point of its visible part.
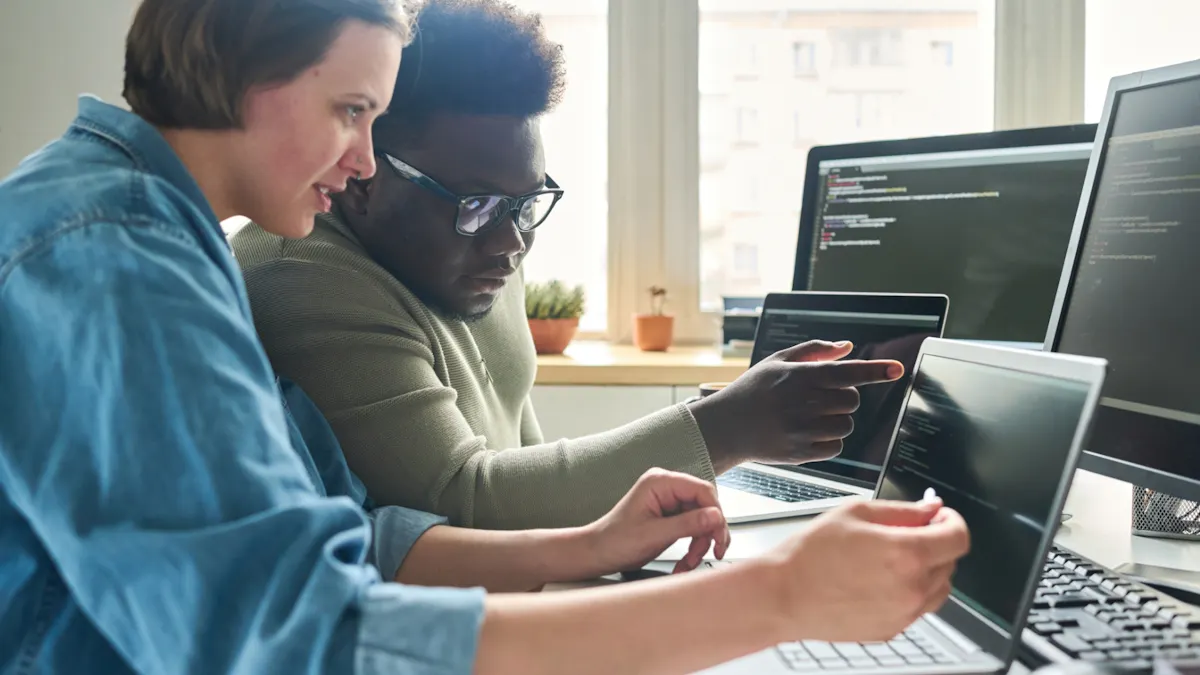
(357, 196)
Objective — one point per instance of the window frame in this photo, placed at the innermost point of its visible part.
(654, 138)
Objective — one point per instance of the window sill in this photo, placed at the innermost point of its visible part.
(602, 363)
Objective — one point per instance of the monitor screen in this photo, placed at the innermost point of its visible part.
(987, 227)
(1131, 295)
(875, 336)
(994, 443)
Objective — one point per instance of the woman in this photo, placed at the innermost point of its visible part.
(160, 510)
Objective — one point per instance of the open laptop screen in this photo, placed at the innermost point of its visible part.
(876, 335)
(994, 443)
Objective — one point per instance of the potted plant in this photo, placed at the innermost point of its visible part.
(653, 332)
(553, 311)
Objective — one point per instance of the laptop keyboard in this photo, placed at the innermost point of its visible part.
(1093, 614)
(909, 649)
(774, 487)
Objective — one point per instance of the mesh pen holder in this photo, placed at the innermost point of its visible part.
(1157, 514)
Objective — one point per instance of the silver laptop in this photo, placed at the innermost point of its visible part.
(880, 326)
(996, 433)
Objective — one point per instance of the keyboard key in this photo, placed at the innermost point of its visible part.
(1065, 601)
(1048, 628)
(820, 650)
(1070, 643)
(1094, 657)
(890, 661)
(850, 650)
(919, 660)
(879, 650)
(833, 664)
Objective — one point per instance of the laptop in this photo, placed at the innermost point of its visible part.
(996, 432)
(880, 326)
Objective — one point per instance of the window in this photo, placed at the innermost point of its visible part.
(747, 57)
(804, 58)
(941, 53)
(1122, 37)
(873, 92)
(745, 260)
(747, 125)
(868, 47)
(573, 244)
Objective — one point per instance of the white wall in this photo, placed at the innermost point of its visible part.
(50, 52)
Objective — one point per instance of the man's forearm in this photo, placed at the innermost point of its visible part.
(674, 625)
(500, 561)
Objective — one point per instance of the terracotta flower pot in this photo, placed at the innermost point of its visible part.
(551, 336)
(653, 332)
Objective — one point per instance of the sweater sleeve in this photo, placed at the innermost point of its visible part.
(531, 431)
(368, 365)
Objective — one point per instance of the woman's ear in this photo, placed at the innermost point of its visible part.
(357, 196)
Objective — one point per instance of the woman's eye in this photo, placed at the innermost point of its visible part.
(353, 111)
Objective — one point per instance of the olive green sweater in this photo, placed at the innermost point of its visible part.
(432, 413)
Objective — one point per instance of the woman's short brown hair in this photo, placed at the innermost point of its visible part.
(189, 63)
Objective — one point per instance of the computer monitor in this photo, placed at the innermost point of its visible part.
(1129, 287)
(982, 218)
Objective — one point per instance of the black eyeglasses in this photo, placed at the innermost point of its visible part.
(477, 214)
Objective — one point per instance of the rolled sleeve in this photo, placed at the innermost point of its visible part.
(396, 530)
(418, 631)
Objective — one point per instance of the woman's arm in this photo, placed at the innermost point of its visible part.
(860, 573)
(679, 624)
(662, 508)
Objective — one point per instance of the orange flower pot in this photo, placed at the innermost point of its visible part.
(653, 332)
(551, 336)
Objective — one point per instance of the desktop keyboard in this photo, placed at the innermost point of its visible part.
(774, 487)
(908, 649)
(1090, 613)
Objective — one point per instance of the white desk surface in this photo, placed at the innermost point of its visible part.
(1098, 529)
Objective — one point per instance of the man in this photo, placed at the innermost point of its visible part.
(403, 314)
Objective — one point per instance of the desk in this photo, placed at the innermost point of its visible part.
(601, 363)
(1098, 529)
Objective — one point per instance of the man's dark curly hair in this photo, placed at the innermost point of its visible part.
(475, 57)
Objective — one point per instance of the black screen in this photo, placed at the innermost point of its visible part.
(1133, 299)
(994, 443)
(988, 228)
(875, 336)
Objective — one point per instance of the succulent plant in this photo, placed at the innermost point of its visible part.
(553, 300)
(658, 298)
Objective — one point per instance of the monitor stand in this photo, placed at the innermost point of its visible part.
(1183, 585)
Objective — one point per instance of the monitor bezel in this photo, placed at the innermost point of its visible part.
(981, 630)
(995, 140)
(1107, 464)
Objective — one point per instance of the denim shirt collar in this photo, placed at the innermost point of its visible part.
(144, 144)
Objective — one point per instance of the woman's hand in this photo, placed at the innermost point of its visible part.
(661, 508)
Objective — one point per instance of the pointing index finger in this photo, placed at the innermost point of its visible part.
(842, 374)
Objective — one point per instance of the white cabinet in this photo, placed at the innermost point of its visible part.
(570, 411)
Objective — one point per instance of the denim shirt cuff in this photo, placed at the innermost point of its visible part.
(395, 530)
(417, 630)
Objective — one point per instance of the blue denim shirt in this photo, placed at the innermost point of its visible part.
(159, 512)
